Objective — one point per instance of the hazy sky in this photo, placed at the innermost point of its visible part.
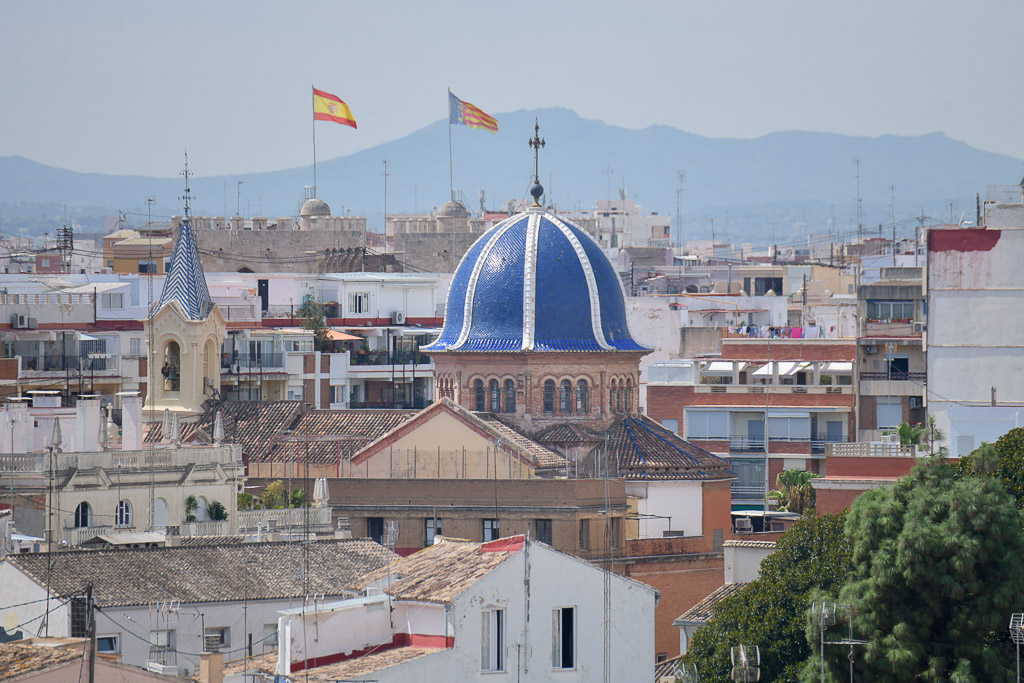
(124, 87)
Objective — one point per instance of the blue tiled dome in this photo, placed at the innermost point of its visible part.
(535, 282)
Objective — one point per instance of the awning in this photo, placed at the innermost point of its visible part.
(787, 368)
(86, 337)
(98, 287)
(338, 335)
(838, 368)
(722, 367)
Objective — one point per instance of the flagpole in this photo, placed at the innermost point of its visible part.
(313, 99)
(451, 173)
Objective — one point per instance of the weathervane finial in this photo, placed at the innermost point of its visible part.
(188, 192)
(537, 191)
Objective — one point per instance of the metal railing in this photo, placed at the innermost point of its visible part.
(871, 449)
(744, 491)
(385, 358)
(61, 362)
(894, 376)
(248, 520)
(254, 362)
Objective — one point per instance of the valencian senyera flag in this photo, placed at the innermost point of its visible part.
(328, 107)
(465, 114)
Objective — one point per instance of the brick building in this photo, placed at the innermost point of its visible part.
(804, 386)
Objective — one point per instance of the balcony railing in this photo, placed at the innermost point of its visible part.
(61, 363)
(894, 376)
(318, 519)
(746, 444)
(255, 362)
(385, 358)
(746, 491)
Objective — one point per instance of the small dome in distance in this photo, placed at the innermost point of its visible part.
(452, 209)
(314, 207)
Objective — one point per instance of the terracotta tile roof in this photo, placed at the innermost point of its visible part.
(544, 457)
(206, 573)
(437, 573)
(568, 434)
(187, 541)
(25, 657)
(355, 429)
(360, 666)
(646, 450)
(249, 423)
(701, 612)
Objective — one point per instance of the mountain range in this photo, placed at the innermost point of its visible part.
(800, 181)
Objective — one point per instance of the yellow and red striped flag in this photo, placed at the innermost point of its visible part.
(328, 107)
(465, 114)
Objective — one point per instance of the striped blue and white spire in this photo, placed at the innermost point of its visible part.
(186, 281)
(535, 282)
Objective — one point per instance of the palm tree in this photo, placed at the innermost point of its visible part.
(191, 508)
(794, 491)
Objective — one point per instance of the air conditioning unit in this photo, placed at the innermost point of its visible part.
(19, 321)
(398, 318)
(920, 327)
(916, 402)
(870, 349)
(211, 643)
(33, 323)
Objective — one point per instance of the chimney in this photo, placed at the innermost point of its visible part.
(211, 667)
(87, 426)
(131, 420)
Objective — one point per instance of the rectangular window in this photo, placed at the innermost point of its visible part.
(888, 412)
(671, 425)
(164, 639)
(584, 534)
(563, 641)
(491, 530)
(891, 310)
(112, 301)
(707, 424)
(375, 528)
(294, 393)
(543, 530)
(613, 531)
(45, 263)
(432, 527)
(789, 428)
(359, 302)
(492, 640)
(147, 267)
(109, 644)
(134, 346)
(269, 639)
(216, 637)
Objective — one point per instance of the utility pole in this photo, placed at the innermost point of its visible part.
(679, 209)
(238, 200)
(92, 633)
(386, 174)
(860, 215)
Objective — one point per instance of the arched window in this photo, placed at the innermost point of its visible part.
(495, 392)
(478, 387)
(629, 395)
(171, 369)
(510, 396)
(123, 514)
(611, 397)
(549, 396)
(565, 397)
(202, 511)
(83, 515)
(581, 396)
(618, 398)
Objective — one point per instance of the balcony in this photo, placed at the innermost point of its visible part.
(62, 363)
(294, 519)
(871, 449)
(793, 445)
(256, 362)
(893, 383)
(385, 358)
(818, 389)
(894, 376)
(744, 491)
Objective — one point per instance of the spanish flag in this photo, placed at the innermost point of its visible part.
(465, 114)
(328, 107)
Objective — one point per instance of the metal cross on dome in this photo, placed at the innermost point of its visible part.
(536, 143)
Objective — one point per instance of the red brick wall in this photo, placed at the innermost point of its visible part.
(683, 581)
(869, 467)
(835, 500)
(808, 350)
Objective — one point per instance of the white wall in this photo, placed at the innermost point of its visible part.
(681, 501)
(742, 564)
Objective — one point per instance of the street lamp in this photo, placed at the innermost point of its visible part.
(1017, 635)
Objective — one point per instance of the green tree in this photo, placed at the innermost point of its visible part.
(191, 508)
(216, 511)
(910, 434)
(793, 490)
(246, 501)
(314, 317)
(937, 573)
(1004, 460)
(769, 612)
(298, 498)
(274, 495)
